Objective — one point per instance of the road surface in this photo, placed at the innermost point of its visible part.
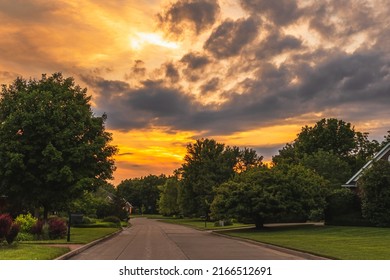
(149, 239)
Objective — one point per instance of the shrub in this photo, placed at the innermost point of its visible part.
(22, 236)
(13, 232)
(26, 222)
(112, 219)
(5, 225)
(344, 209)
(57, 228)
(87, 221)
(37, 228)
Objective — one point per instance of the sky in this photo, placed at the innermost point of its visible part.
(249, 73)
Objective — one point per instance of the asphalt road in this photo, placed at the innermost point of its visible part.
(149, 239)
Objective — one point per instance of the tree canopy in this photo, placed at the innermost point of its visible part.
(331, 136)
(52, 146)
(143, 193)
(208, 164)
(270, 195)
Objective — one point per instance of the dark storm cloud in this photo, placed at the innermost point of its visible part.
(276, 43)
(360, 77)
(281, 12)
(151, 104)
(195, 61)
(210, 86)
(171, 72)
(193, 66)
(198, 15)
(230, 37)
(353, 17)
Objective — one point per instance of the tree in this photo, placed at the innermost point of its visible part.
(246, 199)
(52, 146)
(169, 201)
(333, 136)
(143, 193)
(375, 193)
(208, 164)
(269, 195)
(329, 166)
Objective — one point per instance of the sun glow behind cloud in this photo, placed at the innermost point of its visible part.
(140, 39)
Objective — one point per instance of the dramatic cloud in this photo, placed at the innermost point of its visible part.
(340, 83)
(189, 14)
(152, 104)
(276, 43)
(280, 12)
(231, 36)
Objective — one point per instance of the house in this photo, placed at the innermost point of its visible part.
(383, 154)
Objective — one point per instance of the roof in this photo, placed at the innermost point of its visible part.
(379, 155)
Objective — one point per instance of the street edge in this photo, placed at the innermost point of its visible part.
(301, 254)
(88, 245)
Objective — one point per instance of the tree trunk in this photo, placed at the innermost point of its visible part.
(45, 213)
(259, 223)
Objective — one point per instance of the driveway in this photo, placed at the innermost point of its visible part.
(149, 239)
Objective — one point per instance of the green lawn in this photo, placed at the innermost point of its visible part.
(44, 250)
(346, 243)
(200, 224)
(20, 251)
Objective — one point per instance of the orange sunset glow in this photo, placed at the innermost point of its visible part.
(246, 73)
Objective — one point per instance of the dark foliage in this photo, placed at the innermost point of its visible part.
(112, 219)
(37, 228)
(13, 232)
(5, 225)
(57, 228)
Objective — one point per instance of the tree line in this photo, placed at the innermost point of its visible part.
(217, 181)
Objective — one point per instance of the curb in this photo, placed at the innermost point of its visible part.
(88, 245)
(274, 247)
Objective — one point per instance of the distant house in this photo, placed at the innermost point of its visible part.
(383, 154)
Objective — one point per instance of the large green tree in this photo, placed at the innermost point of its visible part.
(208, 164)
(261, 195)
(52, 146)
(333, 136)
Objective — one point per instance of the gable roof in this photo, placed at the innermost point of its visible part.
(352, 182)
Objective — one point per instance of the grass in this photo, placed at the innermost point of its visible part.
(46, 250)
(346, 243)
(200, 224)
(20, 251)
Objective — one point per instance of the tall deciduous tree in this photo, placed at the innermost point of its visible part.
(52, 146)
(267, 195)
(329, 135)
(208, 164)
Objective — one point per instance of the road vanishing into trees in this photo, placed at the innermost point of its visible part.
(149, 239)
